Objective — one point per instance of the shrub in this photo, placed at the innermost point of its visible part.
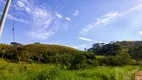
(118, 60)
(45, 75)
(136, 53)
(93, 62)
(122, 59)
(78, 61)
(31, 61)
(82, 60)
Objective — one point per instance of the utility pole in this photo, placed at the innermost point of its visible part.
(3, 18)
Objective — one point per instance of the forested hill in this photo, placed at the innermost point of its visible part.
(19, 52)
(134, 48)
(37, 47)
(129, 43)
(46, 53)
(123, 52)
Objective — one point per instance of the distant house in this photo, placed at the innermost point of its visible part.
(16, 44)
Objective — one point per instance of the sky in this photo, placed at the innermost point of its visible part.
(74, 23)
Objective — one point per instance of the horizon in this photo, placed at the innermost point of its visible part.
(77, 24)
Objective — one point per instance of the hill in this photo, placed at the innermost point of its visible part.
(47, 53)
(49, 48)
(129, 44)
(34, 52)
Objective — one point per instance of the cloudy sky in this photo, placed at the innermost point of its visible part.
(75, 23)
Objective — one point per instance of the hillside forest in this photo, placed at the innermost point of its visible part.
(100, 56)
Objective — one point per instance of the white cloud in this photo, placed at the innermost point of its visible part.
(101, 42)
(67, 18)
(11, 17)
(28, 9)
(80, 47)
(44, 23)
(140, 32)
(85, 39)
(59, 15)
(41, 19)
(108, 18)
(134, 8)
(20, 4)
(76, 13)
(90, 40)
(101, 20)
(24, 5)
(41, 35)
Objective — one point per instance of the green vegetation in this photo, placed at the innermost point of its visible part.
(66, 57)
(55, 62)
(118, 53)
(34, 52)
(23, 71)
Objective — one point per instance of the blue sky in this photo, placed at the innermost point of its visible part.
(75, 23)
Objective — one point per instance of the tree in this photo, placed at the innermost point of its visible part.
(105, 49)
(110, 49)
(123, 58)
(96, 47)
(136, 53)
(78, 61)
(118, 60)
(3, 49)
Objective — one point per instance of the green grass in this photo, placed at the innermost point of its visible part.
(100, 57)
(23, 71)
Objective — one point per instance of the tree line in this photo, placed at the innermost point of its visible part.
(119, 52)
(112, 54)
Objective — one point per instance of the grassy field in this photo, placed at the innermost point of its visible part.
(99, 57)
(23, 71)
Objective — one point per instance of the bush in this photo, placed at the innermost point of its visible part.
(78, 61)
(31, 61)
(51, 75)
(118, 60)
(123, 59)
(93, 62)
(83, 60)
(136, 53)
